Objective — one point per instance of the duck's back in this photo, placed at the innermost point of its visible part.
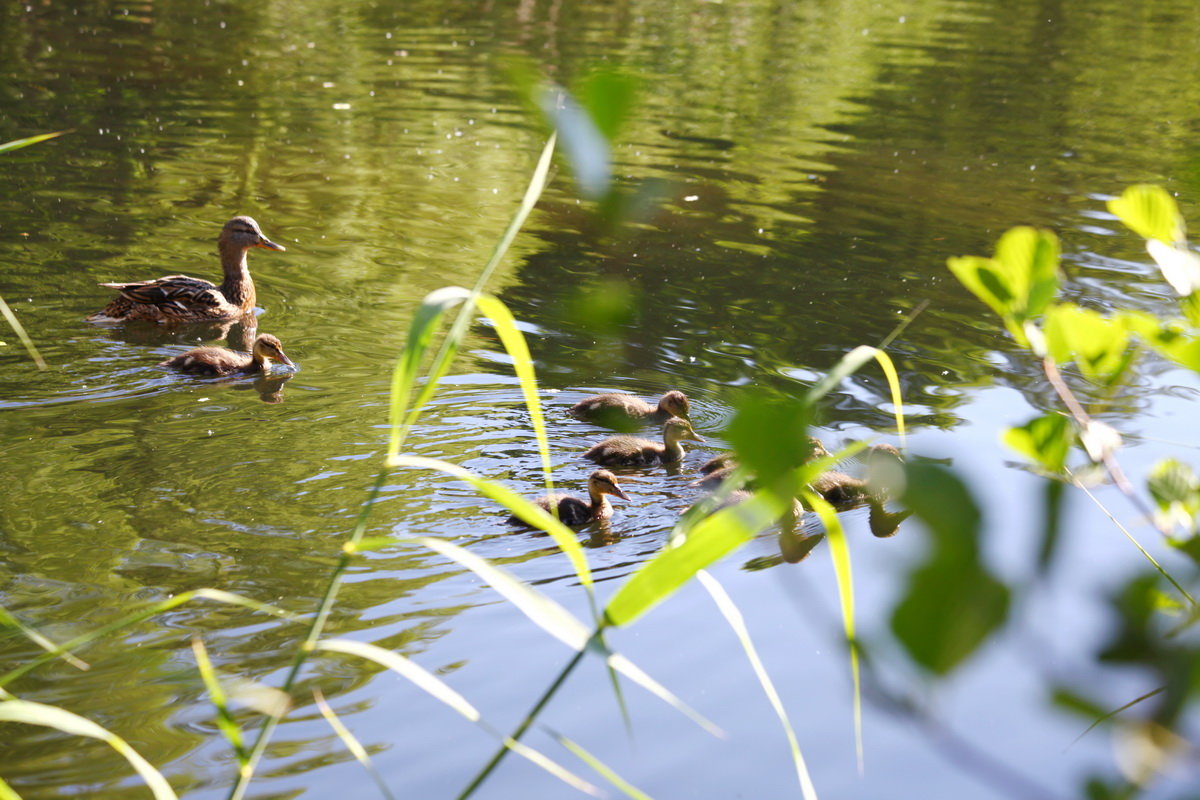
(166, 299)
(208, 361)
(571, 510)
(612, 405)
(626, 450)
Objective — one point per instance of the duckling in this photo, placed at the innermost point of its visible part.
(574, 511)
(180, 298)
(631, 451)
(620, 410)
(722, 465)
(221, 361)
(844, 491)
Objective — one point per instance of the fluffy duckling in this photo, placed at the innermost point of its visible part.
(221, 361)
(574, 511)
(632, 451)
(180, 298)
(620, 410)
(722, 465)
(844, 491)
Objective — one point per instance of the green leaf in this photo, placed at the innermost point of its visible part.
(226, 724)
(1097, 344)
(1180, 267)
(17, 144)
(60, 719)
(1150, 212)
(1176, 492)
(6, 792)
(1044, 440)
(587, 150)
(770, 435)
(609, 98)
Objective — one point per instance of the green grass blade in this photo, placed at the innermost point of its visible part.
(19, 329)
(527, 511)
(9, 620)
(7, 793)
(609, 774)
(839, 550)
(138, 616)
(352, 744)
(893, 379)
(225, 722)
(440, 690)
(518, 349)
(60, 719)
(17, 144)
(710, 539)
(734, 617)
(1116, 711)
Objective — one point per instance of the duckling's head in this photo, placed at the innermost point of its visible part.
(676, 404)
(267, 347)
(676, 429)
(604, 482)
(242, 233)
(816, 449)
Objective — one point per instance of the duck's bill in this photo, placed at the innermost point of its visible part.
(285, 360)
(617, 491)
(695, 437)
(267, 244)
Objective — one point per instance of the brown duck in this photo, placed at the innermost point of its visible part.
(620, 410)
(845, 491)
(221, 361)
(722, 465)
(632, 451)
(574, 511)
(180, 298)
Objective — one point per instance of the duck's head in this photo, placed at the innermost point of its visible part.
(816, 449)
(676, 404)
(242, 233)
(676, 429)
(604, 482)
(268, 347)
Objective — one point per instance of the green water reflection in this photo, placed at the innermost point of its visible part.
(819, 161)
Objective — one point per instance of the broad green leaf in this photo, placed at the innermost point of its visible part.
(527, 511)
(1044, 440)
(734, 617)
(770, 435)
(1019, 282)
(1099, 346)
(17, 144)
(439, 689)
(1168, 339)
(711, 539)
(60, 719)
(985, 280)
(352, 744)
(1150, 212)
(585, 146)
(943, 502)
(609, 98)
(1180, 267)
(1176, 492)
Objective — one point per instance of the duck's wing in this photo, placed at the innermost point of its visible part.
(180, 293)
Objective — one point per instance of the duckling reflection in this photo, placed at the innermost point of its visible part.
(575, 511)
(626, 412)
(635, 452)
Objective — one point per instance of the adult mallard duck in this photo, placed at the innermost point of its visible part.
(632, 451)
(180, 298)
(621, 410)
(221, 361)
(574, 511)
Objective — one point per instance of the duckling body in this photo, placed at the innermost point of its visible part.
(635, 452)
(575, 511)
(718, 468)
(845, 491)
(181, 298)
(617, 410)
(221, 361)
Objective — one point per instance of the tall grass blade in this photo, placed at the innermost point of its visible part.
(17, 144)
(609, 774)
(6, 792)
(449, 348)
(528, 512)
(734, 617)
(145, 613)
(60, 719)
(1116, 711)
(7, 619)
(893, 379)
(19, 329)
(433, 685)
(352, 744)
(849, 364)
(839, 550)
(225, 722)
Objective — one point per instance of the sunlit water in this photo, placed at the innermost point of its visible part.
(818, 162)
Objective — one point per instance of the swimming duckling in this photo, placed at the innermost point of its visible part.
(221, 361)
(631, 451)
(620, 410)
(180, 298)
(722, 465)
(845, 491)
(574, 511)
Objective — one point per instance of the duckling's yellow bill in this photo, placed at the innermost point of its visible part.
(616, 490)
(267, 244)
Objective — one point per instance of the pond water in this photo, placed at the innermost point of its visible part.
(820, 161)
